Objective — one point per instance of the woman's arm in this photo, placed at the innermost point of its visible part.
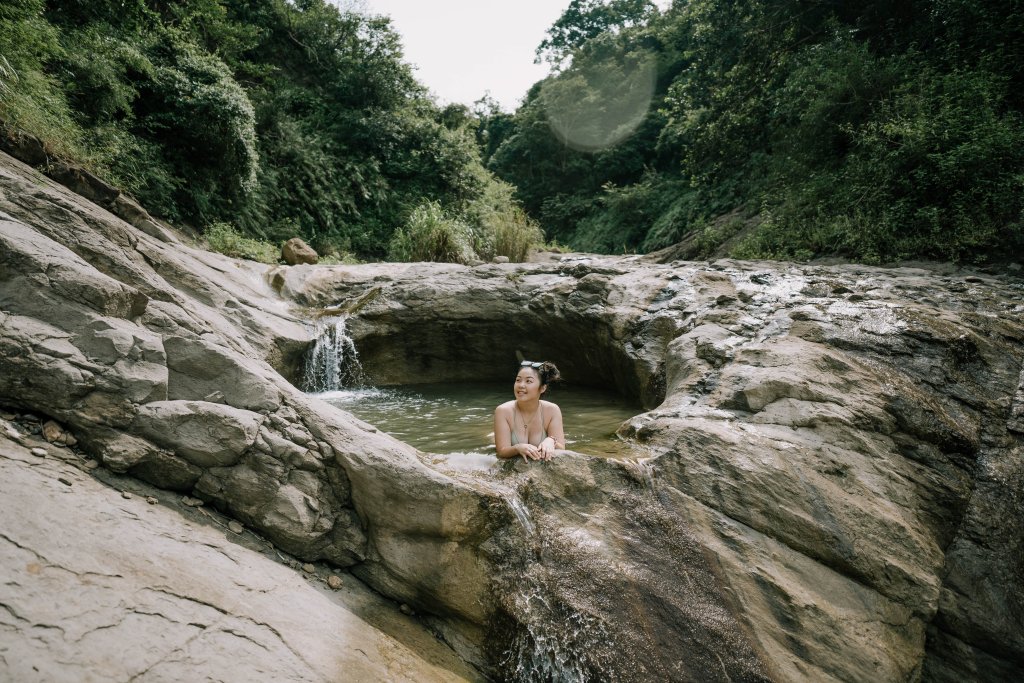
(556, 433)
(503, 437)
(502, 434)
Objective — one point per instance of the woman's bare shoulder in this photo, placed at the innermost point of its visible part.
(548, 405)
(505, 408)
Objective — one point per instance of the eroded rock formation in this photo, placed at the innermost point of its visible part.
(833, 491)
(101, 585)
(843, 442)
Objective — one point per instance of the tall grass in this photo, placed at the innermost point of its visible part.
(432, 235)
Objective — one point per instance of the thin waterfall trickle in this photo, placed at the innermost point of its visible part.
(332, 363)
(642, 471)
(521, 512)
(557, 643)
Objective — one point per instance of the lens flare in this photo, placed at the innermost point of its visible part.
(600, 102)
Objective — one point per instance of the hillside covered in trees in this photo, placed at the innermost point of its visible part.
(785, 128)
(269, 117)
(876, 131)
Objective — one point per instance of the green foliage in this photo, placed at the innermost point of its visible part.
(926, 177)
(202, 117)
(430, 235)
(283, 118)
(876, 131)
(30, 98)
(584, 20)
(225, 238)
(102, 73)
(503, 228)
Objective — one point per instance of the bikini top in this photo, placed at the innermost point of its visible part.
(543, 433)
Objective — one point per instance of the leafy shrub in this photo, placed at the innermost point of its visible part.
(30, 99)
(101, 74)
(224, 238)
(502, 227)
(431, 235)
(515, 235)
(203, 118)
(935, 172)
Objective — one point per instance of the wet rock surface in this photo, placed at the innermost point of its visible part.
(833, 491)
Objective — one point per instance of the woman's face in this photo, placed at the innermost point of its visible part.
(527, 385)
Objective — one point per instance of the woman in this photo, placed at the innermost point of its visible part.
(528, 426)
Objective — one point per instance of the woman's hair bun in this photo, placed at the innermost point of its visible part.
(548, 373)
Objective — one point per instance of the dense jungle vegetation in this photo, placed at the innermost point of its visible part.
(258, 119)
(873, 130)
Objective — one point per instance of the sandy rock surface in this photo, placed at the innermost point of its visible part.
(101, 586)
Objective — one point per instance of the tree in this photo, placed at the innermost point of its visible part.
(584, 20)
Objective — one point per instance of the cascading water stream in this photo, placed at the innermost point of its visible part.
(556, 643)
(522, 514)
(642, 470)
(332, 363)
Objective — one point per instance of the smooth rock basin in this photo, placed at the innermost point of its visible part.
(833, 492)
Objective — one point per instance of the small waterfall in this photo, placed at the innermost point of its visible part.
(557, 644)
(642, 471)
(519, 509)
(332, 363)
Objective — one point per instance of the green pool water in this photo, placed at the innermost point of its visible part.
(459, 418)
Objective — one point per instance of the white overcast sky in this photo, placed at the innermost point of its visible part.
(462, 49)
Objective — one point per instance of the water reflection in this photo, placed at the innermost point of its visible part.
(456, 420)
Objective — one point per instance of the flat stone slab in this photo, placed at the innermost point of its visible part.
(100, 587)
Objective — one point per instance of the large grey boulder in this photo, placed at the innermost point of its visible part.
(840, 442)
(197, 367)
(205, 434)
(100, 585)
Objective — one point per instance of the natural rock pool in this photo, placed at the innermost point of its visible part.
(458, 417)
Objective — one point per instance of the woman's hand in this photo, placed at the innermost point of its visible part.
(547, 448)
(531, 452)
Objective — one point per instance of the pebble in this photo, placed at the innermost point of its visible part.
(191, 502)
(38, 452)
(308, 568)
(90, 464)
(151, 500)
(8, 416)
(126, 495)
(405, 609)
(236, 527)
(334, 582)
(66, 482)
(52, 432)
